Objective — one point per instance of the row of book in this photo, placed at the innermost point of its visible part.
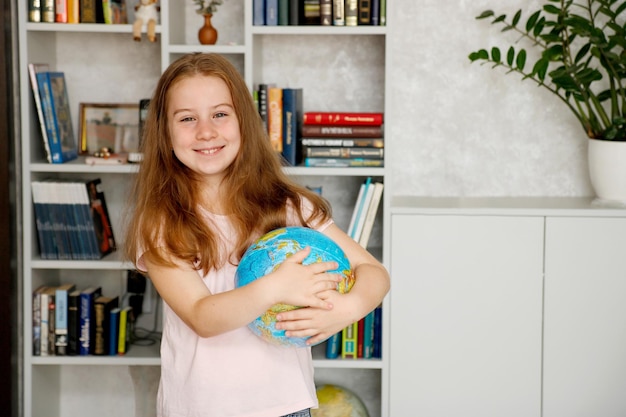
(365, 211)
(68, 321)
(319, 12)
(360, 340)
(72, 219)
(77, 11)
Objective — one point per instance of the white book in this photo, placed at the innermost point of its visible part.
(370, 217)
(359, 207)
(360, 221)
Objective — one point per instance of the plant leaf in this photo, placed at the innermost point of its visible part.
(485, 14)
(510, 56)
(520, 62)
(495, 54)
(532, 20)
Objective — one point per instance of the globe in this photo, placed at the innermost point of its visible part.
(268, 252)
(336, 401)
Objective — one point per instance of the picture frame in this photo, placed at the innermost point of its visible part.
(109, 125)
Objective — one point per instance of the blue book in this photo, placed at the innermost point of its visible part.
(292, 125)
(57, 115)
(258, 13)
(87, 320)
(378, 323)
(333, 346)
(368, 335)
(114, 330)
(271, 12)
(61, 327)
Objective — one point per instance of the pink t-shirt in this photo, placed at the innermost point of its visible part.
(232, 374)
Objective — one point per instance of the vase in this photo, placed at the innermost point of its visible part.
(207, 35)
(607, 169)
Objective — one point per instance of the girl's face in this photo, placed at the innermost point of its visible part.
(203, 125)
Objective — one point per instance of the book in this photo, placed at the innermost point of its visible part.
(57, 115)
(283, 12)
(343, 118)
(271, 12)
(262, 94)
(60, 11)
(37, 319)
(383, 13)
(370, 216)
(377, 342)
(102, 228)
(352, 12)
(34, 11)
(364, 204)
(326, 12)
(336, 131)
(87, 320)
(33, 69)
(102, 313)
(339, 16)
(73, 321)
(73, 12)
(296, 12)
(47, 11)
(342, 152)
(365, 12)
(292, 125)
(360, 334)
(343, 142)
(349, 340)
(61, 327)
(119, 14)
(275, 117)
(368, 335)
(358, 207)
(114, 329)
(87, 11)
(43, 224)
(258, 12)
(311, 12)
(123, 340)
(375, 13)
(342, 162)
(47, 322)
(333, 348)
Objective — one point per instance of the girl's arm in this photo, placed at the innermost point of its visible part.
(182, 288)
(371, 285)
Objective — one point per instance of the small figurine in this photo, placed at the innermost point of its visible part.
(146, 16)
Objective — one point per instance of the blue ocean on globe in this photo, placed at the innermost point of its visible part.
(268, 252)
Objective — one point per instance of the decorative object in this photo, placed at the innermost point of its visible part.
(113, 126)
(146, 18)
(580, 59)
(207, 35)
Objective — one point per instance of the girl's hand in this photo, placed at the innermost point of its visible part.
(303, 285)
(318, 324)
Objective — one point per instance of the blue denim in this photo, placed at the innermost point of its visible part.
(303, 413)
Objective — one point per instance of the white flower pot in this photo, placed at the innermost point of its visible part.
(607, 169)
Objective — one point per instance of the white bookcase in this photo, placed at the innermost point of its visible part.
(339, 68)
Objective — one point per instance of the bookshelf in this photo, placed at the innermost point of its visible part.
(102, 63)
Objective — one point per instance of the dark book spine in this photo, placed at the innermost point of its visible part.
(330, 131)
(283, 12)
(258, 13)
(34, 11)
(73, 319)
(296, 12)
(375, 14)
(326, 12)
(365, 12)
(341, 152)
(271, 12)
(292, 125)
(352, 12)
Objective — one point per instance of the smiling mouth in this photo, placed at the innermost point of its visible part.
(208, 151)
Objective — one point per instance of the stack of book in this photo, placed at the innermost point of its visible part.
(68, 321)
(342, 139)
(360, 340)
(72, 219)
(319, 12)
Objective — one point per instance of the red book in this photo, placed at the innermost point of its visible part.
(343, 118)
(336, 131)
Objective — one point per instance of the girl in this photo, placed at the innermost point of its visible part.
(209, 185)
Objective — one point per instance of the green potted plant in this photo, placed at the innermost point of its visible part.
(579, 49)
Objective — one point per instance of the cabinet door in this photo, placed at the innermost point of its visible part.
(466, 298)
(585, 318)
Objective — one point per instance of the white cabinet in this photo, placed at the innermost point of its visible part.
(339, 68)
(509, 307)
(584, 366)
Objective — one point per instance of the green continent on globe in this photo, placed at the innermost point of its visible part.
(335, 401)
(269, 252)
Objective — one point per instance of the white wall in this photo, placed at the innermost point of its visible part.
(462, 129)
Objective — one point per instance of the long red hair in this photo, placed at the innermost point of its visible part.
(165, 200)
